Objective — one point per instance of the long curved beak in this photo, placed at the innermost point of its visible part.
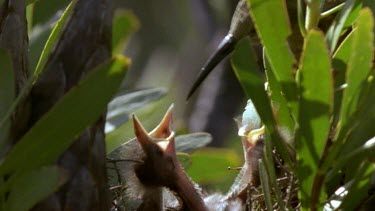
(226, 47)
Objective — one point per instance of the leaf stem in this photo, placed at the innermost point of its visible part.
(300, 18)
(312, 14)
(332, 10)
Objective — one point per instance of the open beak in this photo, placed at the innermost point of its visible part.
(162, 136)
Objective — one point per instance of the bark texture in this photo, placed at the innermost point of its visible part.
(85, 43)
(14, 39)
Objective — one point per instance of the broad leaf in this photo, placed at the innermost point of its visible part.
(285, 123)
(273, 31)
(209, 166)
(80, 107)
(28, 188)
(316, 90)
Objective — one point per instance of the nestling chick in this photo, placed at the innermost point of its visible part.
(160, 166)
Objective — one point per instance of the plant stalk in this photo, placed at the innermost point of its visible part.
(312, 14)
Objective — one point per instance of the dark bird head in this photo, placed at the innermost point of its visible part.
(240, 26)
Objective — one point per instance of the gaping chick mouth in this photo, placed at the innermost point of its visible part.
(162, 136)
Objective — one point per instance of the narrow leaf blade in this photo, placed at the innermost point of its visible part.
(314, 111)
(30, 187)
(81, 106)
(273, 31)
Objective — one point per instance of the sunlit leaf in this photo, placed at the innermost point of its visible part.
(52, 39)
(315, 111)
(28, 188)
(80, 107)
(273, 31)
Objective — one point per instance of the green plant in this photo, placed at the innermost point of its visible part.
(316, 110)
(38, 122)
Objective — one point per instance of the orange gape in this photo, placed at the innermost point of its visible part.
(159, 168)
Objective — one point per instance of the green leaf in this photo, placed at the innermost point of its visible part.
(340, 62)
(358, 70)
(264, 180)
(80, 107)
(120, 108)
(246, 69)
(285, 123)
(42, 60)
(209, 166)
(353, 15)
(334, 32)
(359, 154)
(56, 32)
(362, 129)
(316, 90)
(273, 31)
(359, 188)
(28, 188)
(124, 24)
(269, 165)
(30, 1)
(7, 93)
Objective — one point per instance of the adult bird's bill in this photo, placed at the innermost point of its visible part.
(240, 27)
